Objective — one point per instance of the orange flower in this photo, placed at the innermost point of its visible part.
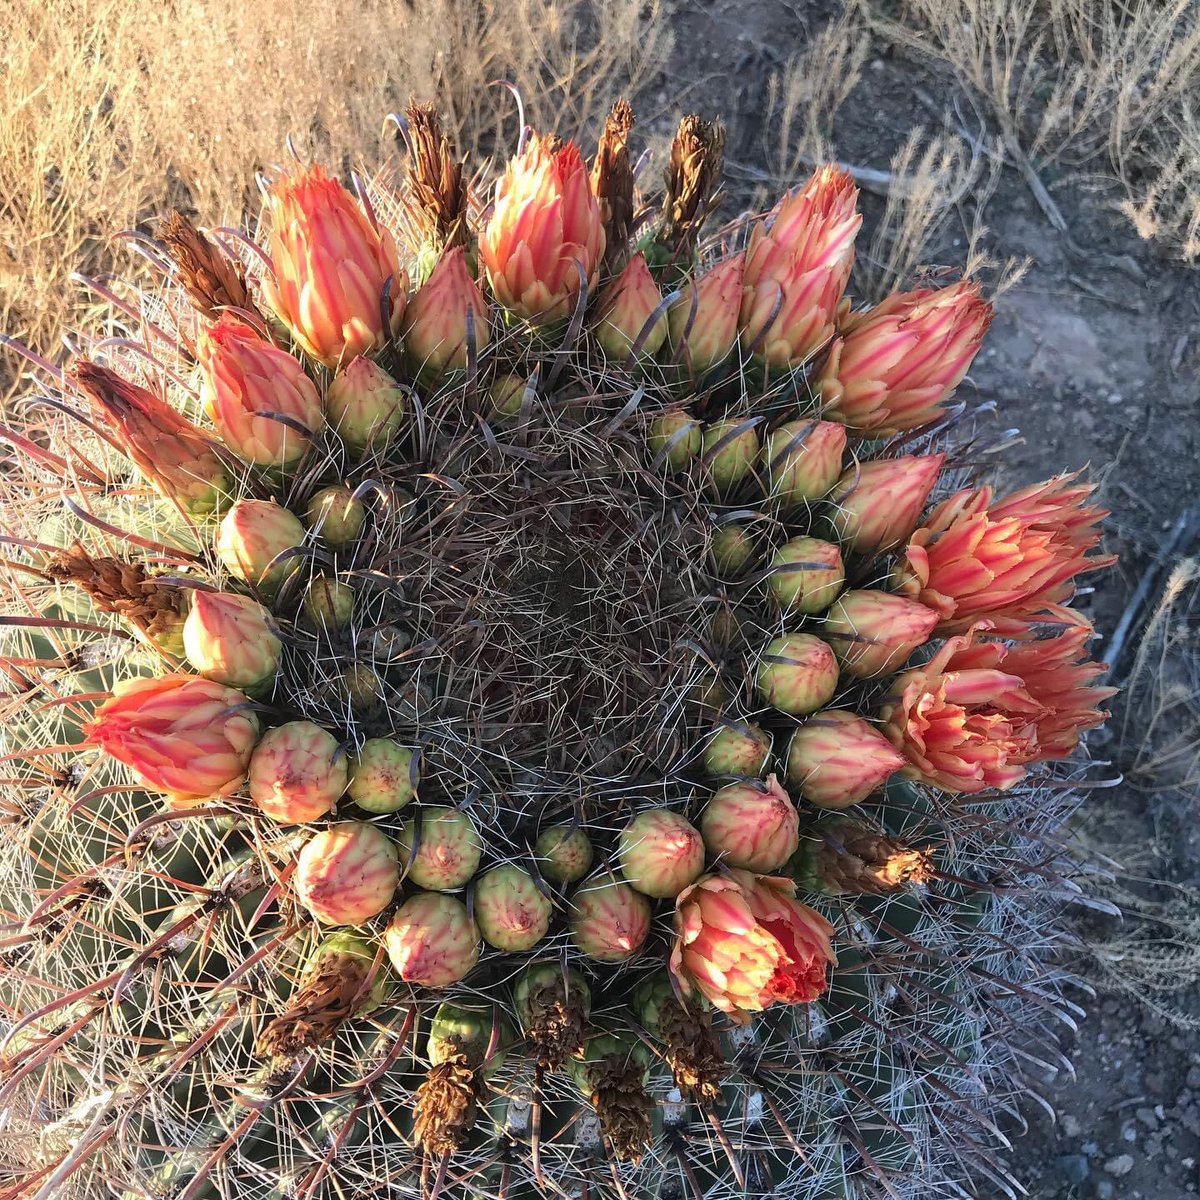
(895, 364)
(247, 385)
(1009, 561)
(332, 267)
(961, 721)
(705, 316)
(744, 942)
(797, 267)
(544, 227)
(188, 737)
(435, 325)
(175, 456)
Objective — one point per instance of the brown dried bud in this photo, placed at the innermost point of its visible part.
(447, 1104)
(437, 192)
(212, 279)
(840, 855)
(693, 181)
(612, 181)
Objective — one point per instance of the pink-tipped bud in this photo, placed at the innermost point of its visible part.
(729, 451)
(625, 307)
(802, 460)
(609, 920)
(384, 776)
(336, 282)
(365, 406)
(448, 849)
(253, 534)
(797, 267)
(837, 759)
(444, 318)
(896, 364)
(432, 940)
(676, 436)
(753, 825)
(336, 516)
(797, 674)
(806, 575)
(189, 738)
(877, 504)
(660, 853)
(512, 912)
(264, 406)
(347, 874)
(564, 854)
(297, 773)
(230, 638)
(700, 341)
(874, 633)
(737, 748)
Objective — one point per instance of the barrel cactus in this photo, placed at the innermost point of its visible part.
(517, 690)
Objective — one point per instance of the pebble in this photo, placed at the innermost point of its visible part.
(1071, 1126)
(1148, 1117)
(1074, 1168)
(1105, 1190)
(1091, 1149)
(1121, 1165)
(1129, 1133)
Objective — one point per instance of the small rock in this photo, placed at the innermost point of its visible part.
(1121, 1165)
(1129, 1133)
(1105, 1190)
(1074, 1168)
(1071, 1126)
(1147, 1117)
(1091, 1149)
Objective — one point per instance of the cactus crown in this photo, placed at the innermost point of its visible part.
(615, 512)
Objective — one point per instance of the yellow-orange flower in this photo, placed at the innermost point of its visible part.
(1009, 560)
(337, 281)
(264, 406)
(186, 736)
(895, 364)
(744, 942)
(797, 267)
(544, 229)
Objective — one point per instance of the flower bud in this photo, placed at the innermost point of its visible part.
(447, 313)
(802, 460)
(512, 912)
(660, 852)
(837, 759)
(797, 674)
(432, 940)
(702, 325)
(336, 280)
(609, 920)
(187, 737)
(383, 776)
(677, 437)
(545, 229)
(247, 385)
(733, 549)
(328, 603)
(448, 849)
(563, 854)
(347, 874)
(877, 504)
(507, 394)
(806, 575)
(229, 638)
(752, 825)
(252, 534)
(729, 452)
(624, 308)
(739, 749)
(365, 406)
(297, 772)
(335, 514)
(361, 688)
(873, 633)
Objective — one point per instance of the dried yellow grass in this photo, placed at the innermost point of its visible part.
(114, 109)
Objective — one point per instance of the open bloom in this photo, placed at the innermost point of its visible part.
(625, 307)
(263, 404)
(1008, 560)
(895, 364)
(445, 315)
(332, 268)
(877, 504)
(962, 720)
(745, 942)
(545, 230)
(177, 458)
(188, 737)
(702, 325)
(797, 267)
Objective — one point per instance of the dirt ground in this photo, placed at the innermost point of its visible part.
(1095, 357)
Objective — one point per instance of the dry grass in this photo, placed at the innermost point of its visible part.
(113, 109)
